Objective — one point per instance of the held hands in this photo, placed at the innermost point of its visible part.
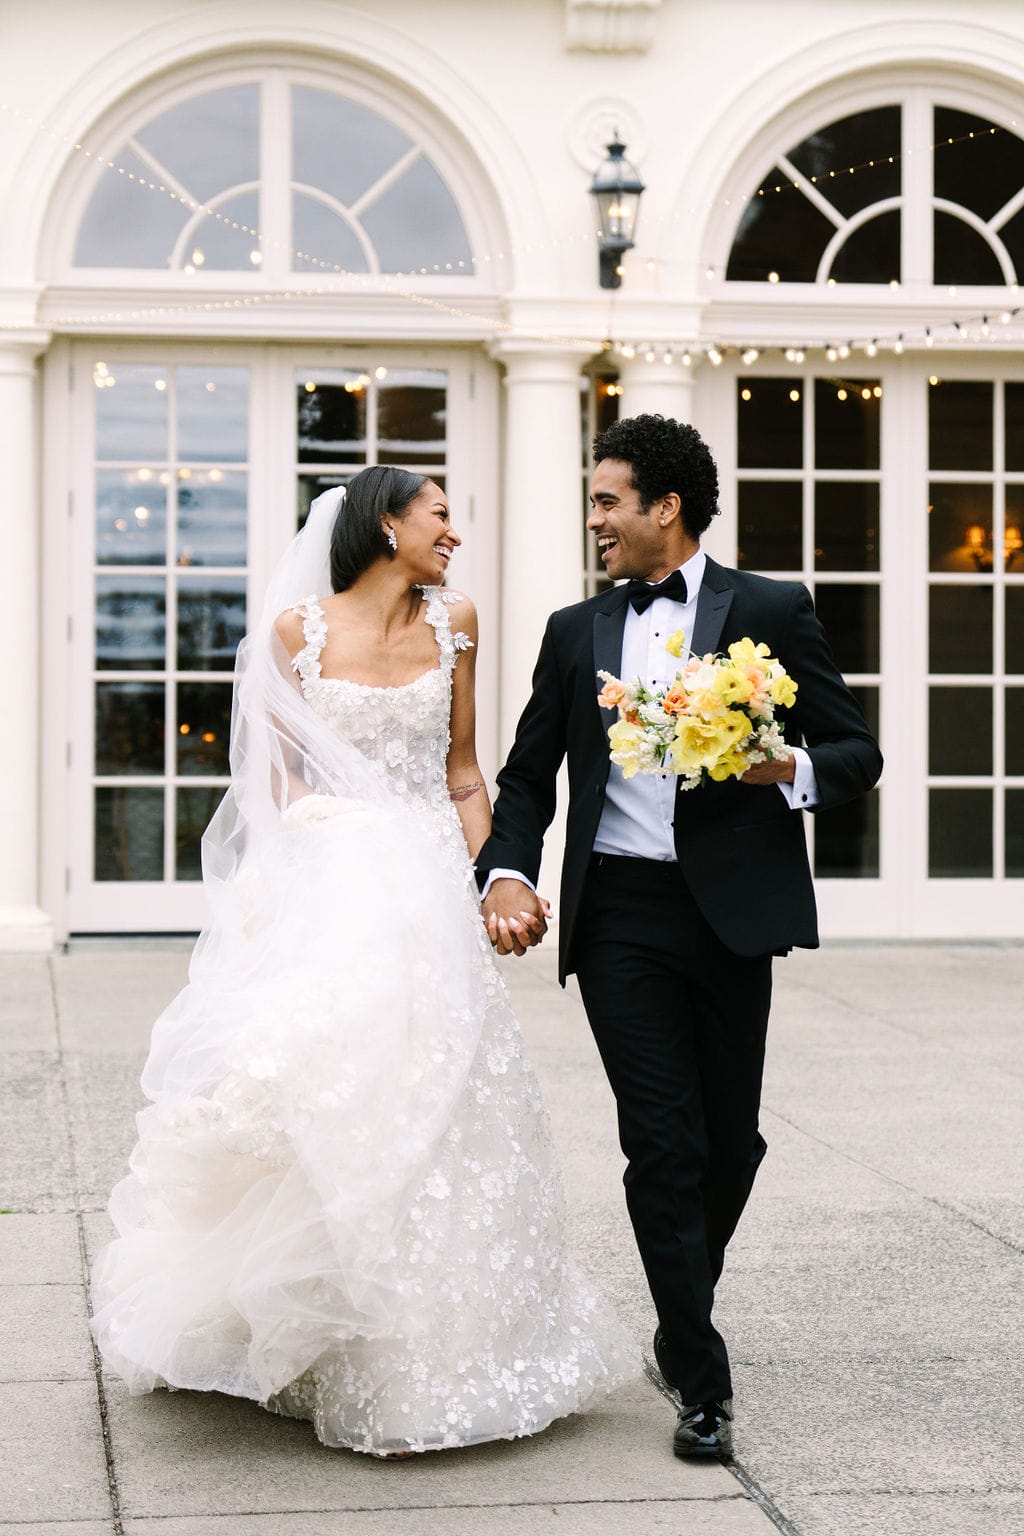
(780, 770)
(516, 917)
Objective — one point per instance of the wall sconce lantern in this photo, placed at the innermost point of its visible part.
(616, 187)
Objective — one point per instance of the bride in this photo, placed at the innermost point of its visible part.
(344, 1202)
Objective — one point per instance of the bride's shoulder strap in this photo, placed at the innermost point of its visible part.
(450, 642)
(314, 631)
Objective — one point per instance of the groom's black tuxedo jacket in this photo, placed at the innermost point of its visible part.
(740, 848)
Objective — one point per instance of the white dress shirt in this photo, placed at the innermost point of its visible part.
(637, 820)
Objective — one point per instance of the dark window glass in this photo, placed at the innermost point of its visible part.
(846, 429)
(203, 727)
(411, 413)
(770, 424)
(1012, 235)
(770, 525)
(1015, 731)
(961, 255)
(960, 528)
(1013, 533)
(960, 425)
(193, 809)
(846, 534)
(850, 613)
(854, 141)
(982, 173)
(1015, 833)
(129, 728)
(960, 834)
(212, 517)
(128, 834)
(960, 629)
(872, 253)
(846, 840)
(211, 622)
(1015, 427)
(1015, 629)
(130, 623)
(332, 420)
(131, 516)
(780, 232)
(867, 696)
(309, 487)
(959, 730)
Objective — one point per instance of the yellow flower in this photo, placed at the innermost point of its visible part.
(783, 690)
(676, 644)
(625, 742)
(702, 743)
(746, 654)
(729, 767)
(732, 684)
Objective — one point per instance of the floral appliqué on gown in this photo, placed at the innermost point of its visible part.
(344, 1201)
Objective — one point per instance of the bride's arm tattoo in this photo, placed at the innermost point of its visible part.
(464, 791)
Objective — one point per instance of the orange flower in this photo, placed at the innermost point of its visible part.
(676, 701)
(612, 694)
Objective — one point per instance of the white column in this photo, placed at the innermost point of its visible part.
(656, 388)
(23, 925)
(542, 516)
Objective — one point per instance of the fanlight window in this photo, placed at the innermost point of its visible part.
(832, 208)
(355, 191)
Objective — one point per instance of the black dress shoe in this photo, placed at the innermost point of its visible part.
(705, 1429)
(660, 1360)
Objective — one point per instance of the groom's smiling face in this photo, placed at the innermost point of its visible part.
(632, 540)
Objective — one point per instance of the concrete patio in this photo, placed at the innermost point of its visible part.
(873, 1300)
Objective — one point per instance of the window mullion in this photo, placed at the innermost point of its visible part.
(916, 234)
(275, 174)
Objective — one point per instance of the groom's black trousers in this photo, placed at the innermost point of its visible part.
(680, 1022)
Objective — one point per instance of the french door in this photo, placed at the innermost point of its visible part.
(190, 470)
(895, 491)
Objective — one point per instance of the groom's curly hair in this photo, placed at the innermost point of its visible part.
(665, 456)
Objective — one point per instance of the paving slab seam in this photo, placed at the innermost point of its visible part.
(117, 1524)
(442, 1509)
(956, 1492)
(890, 1178)
(752, 1488)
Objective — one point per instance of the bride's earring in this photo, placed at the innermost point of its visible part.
(392, 540)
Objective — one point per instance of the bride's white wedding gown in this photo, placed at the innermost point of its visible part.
(344, 1201)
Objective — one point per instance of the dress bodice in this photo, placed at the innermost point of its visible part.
(404, 730)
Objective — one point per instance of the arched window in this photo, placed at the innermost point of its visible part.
(834, 208)
(277, 174)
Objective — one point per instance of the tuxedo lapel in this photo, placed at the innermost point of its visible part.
(609, 626)
(713, 603)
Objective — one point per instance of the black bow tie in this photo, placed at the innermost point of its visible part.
(641, 595)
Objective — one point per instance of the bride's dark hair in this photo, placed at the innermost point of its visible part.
(358, 538)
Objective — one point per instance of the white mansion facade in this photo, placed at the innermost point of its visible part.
(248, 248)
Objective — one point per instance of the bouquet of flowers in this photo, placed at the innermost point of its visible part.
(714, 720)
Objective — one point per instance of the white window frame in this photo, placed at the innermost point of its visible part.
(78, 903)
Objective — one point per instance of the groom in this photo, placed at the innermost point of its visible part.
(673, 903)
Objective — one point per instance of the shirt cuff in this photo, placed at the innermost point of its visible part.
(802, 794)
(504, 874)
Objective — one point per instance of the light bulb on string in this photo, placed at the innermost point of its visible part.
(751, 355)
(929, 339)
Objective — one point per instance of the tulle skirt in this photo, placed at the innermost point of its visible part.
(344, 1202)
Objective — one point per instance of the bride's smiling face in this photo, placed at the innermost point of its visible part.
(426, 538)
